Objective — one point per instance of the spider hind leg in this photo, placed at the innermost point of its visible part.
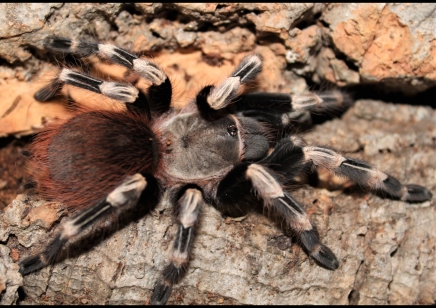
(362, 173)
(417, 193)
(267, 186)
(264, 181)
(123, 196)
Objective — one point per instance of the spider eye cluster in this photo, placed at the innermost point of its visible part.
(232, 130)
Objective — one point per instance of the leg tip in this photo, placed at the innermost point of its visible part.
(48, 41)
(57, 42)
(416, 193)
(31, 264)
(325, 258)
(43, 95)
(49, 91)
(161, 293)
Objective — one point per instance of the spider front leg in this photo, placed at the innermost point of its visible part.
(362, 173)
(158, 96)
(123, 196)
(248, 182)
(212, 101)
(189, 209)
(278, 108)
(215, 101)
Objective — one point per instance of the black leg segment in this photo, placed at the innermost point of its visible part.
(362, 173)
(190, 204)
(116, 90)
(125, 195)
(248, 182)
(159, 94)
(210, 100)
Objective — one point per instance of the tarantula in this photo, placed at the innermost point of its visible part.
(223, 148)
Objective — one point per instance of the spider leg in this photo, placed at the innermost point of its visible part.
(123, 196)
(212, 100)
(279, 109)
(362, 173)
(247, 182)
(159, 94)
(189, 208)
(286, 102)
(116, 90)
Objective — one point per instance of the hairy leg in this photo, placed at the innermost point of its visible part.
(189, 209)
(158, 96)
(363, 174)
(212, 101)
(248, 183)
(124, 196)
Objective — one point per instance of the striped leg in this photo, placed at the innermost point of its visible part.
(212, 100)
(285, 103)
(248, 180)
(362, 173)
(287, 207)
(189, 204)
(116, 90)
(159, 93)
(281, 109)
(125, 195)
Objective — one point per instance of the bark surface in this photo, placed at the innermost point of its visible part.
(386, 248)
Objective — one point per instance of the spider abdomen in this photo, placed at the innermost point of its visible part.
(93, 149)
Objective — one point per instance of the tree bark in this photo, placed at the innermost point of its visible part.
(386, 248)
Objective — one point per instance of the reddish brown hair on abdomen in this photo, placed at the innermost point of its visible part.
(81, 160)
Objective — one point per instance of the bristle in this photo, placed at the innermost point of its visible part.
(82, 160)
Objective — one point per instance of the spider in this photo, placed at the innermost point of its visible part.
(224, 148)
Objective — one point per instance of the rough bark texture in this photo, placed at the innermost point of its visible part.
(386, 248)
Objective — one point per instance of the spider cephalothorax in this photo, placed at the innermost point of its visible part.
(224, 149)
